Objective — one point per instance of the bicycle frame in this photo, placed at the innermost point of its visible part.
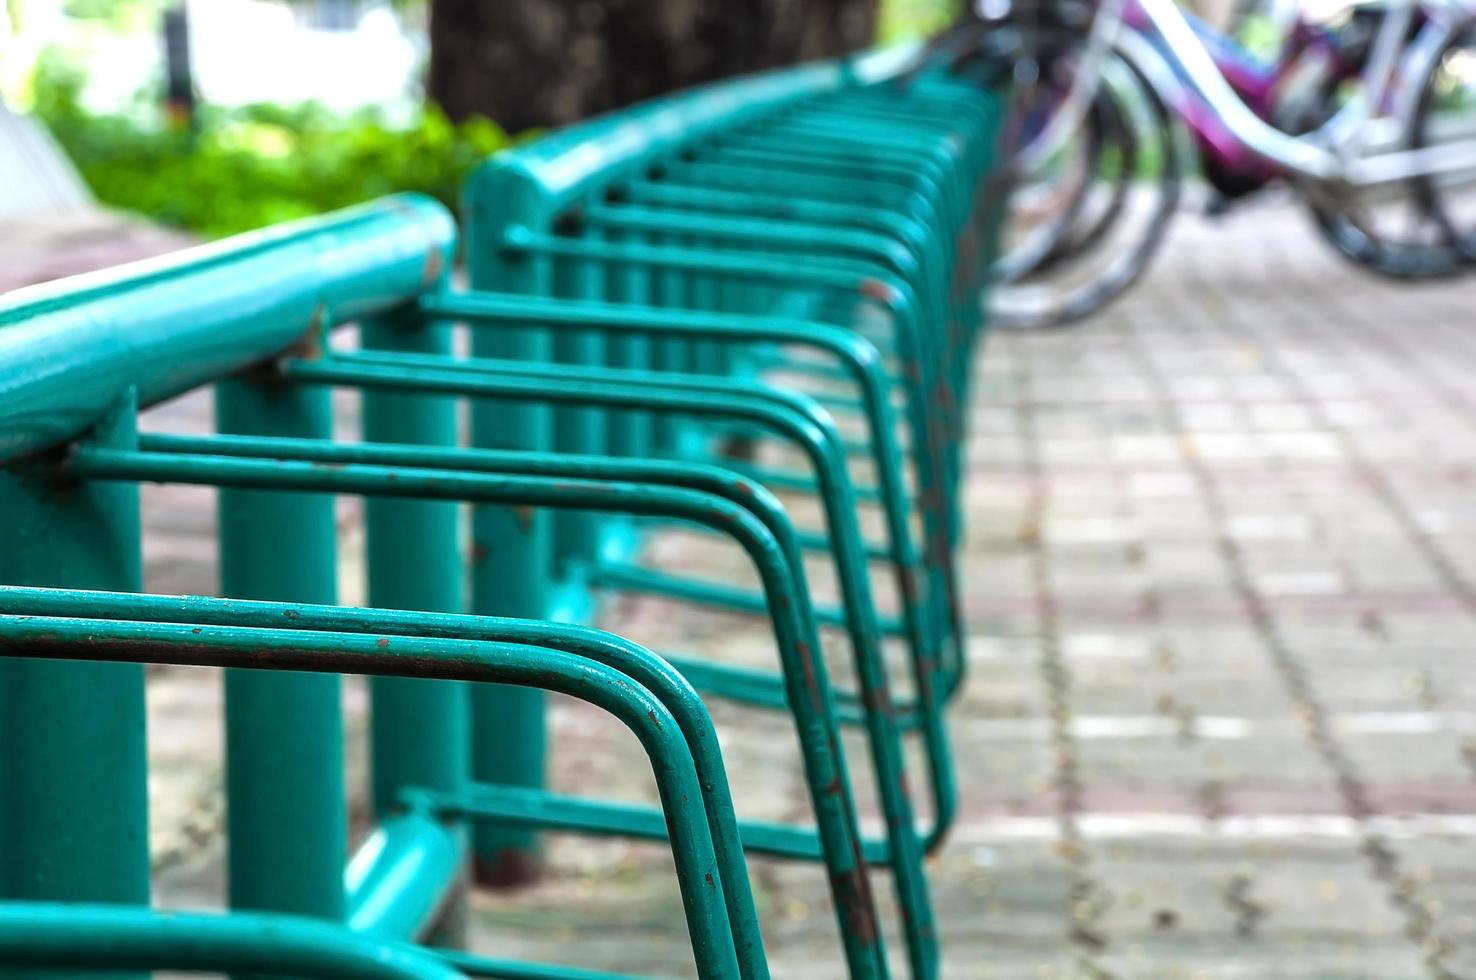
(1063, 124)
(1337, 152)
(1210, 94)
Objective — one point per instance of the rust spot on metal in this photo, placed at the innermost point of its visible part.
(852, 891)
(434, 263)
(708, 878)
(507, 869)
(878, 701)
(654, 720)
(382, 643)
(524, 516)
(807, 668)
(310, 346)
(876, 290)
(291, 613)
(907, 582)
(480, 551)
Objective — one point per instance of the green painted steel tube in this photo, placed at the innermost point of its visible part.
(896, 292)
(577, 815)
(100, 937)
(647, 669)
(631, 432)
(312, 652)
(928, 443)
(697, 476)
(861, 360)
(399, 882)
(937, 547)
(513, 549)
(575, 163)
(806, 676)
(420, 731)
(813, 434)
(578, 429)
(70, 349)
(285, 792)
(67, 838)
(482, 966)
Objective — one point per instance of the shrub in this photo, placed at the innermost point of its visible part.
(243, 168)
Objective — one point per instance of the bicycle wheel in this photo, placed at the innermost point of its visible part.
(1046, 203)
(1408, 229)
(1447, 117)
(1123, 215)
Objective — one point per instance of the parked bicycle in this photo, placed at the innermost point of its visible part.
(1369, 115)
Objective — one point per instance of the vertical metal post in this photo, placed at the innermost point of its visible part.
(580, 430)
(511, 546)
(420, 729)
(630, 282)
(284, 732)
(706, 354)
(671, 290)
(74, 770)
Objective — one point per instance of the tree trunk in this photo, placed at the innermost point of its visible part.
(527, 63)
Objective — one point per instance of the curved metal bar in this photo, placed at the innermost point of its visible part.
(897, 297)
(861, 359)
(482, 966)
(89, 937)
(646, 668)
(933, 405)
(576, 162)
(71, 349)
(858, 356)
(740, 490)
(804, 669)
(709, 396)
(83, 638)
(864, 367)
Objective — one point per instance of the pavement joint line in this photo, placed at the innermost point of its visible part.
(1457, 583)
(1087, 901)
(1401, 888)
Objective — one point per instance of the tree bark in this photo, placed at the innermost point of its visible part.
(540, 63)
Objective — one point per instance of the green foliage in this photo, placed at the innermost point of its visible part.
(120, 15)
(253, 166)
(913, 18)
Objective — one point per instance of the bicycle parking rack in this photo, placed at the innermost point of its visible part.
(647, 289)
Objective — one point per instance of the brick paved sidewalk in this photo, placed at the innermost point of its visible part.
(1222, 723)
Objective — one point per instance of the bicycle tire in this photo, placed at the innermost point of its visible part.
(1406, 258)
(1101, 289)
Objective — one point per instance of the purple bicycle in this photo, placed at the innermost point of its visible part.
(1370, 115)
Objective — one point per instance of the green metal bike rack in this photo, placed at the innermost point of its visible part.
(223, 643)
(82, 355)
(294, 468)
(722, 236)
(786, 264)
